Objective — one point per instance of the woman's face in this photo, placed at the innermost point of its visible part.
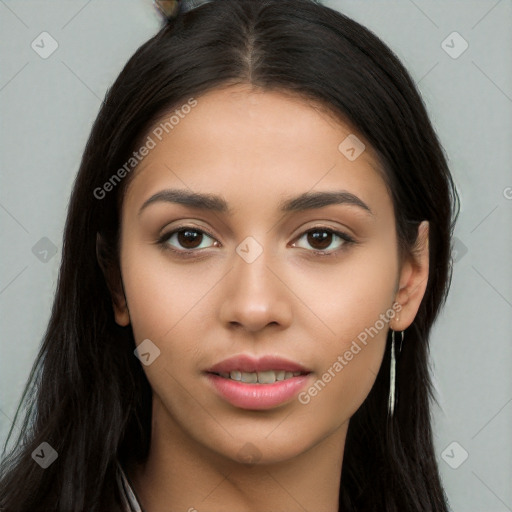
(244, 278)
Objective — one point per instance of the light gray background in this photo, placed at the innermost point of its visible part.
(47, 108)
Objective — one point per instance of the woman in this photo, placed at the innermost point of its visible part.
(256, 248)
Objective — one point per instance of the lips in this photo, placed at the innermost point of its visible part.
(249, 383)
(248, 364)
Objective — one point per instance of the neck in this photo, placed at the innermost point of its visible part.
(182, 474)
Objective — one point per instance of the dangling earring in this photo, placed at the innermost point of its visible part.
(392, 373)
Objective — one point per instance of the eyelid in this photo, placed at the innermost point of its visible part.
(340, 231)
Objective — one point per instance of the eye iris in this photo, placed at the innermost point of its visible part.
(187, 237)
(325, 241)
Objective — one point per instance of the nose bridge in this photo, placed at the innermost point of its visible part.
(254, 295)
(251, 267)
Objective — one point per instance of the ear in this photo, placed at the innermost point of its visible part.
(110, 268)
(413, 280)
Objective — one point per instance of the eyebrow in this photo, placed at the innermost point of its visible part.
(215, 203)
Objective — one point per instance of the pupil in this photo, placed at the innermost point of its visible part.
(325, 241)
(187, 237)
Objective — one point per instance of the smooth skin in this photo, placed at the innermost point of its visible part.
(254, 149)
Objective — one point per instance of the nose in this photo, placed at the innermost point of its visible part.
(255, 295)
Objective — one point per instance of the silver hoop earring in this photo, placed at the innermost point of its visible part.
(392, 373)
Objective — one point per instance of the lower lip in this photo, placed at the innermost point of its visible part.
(257, 396)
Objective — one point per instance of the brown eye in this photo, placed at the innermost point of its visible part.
(321, 238)
(185, 238)
(189, 238)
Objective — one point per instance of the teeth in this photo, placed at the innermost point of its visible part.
(250, 378)
(268, 377)
(235, 375)
(265, 377)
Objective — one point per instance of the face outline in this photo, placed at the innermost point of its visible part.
(255, 149)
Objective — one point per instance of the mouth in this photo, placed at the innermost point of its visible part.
(250, 383)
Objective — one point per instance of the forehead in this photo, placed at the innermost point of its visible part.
(252, 142)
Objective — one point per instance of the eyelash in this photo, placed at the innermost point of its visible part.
(189, 253)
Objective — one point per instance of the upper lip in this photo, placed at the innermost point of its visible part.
(246, 363)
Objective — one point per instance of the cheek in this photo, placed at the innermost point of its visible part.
(350, 360)
(161, 294)
(350, 295)
(355, 307)
(166, 302)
